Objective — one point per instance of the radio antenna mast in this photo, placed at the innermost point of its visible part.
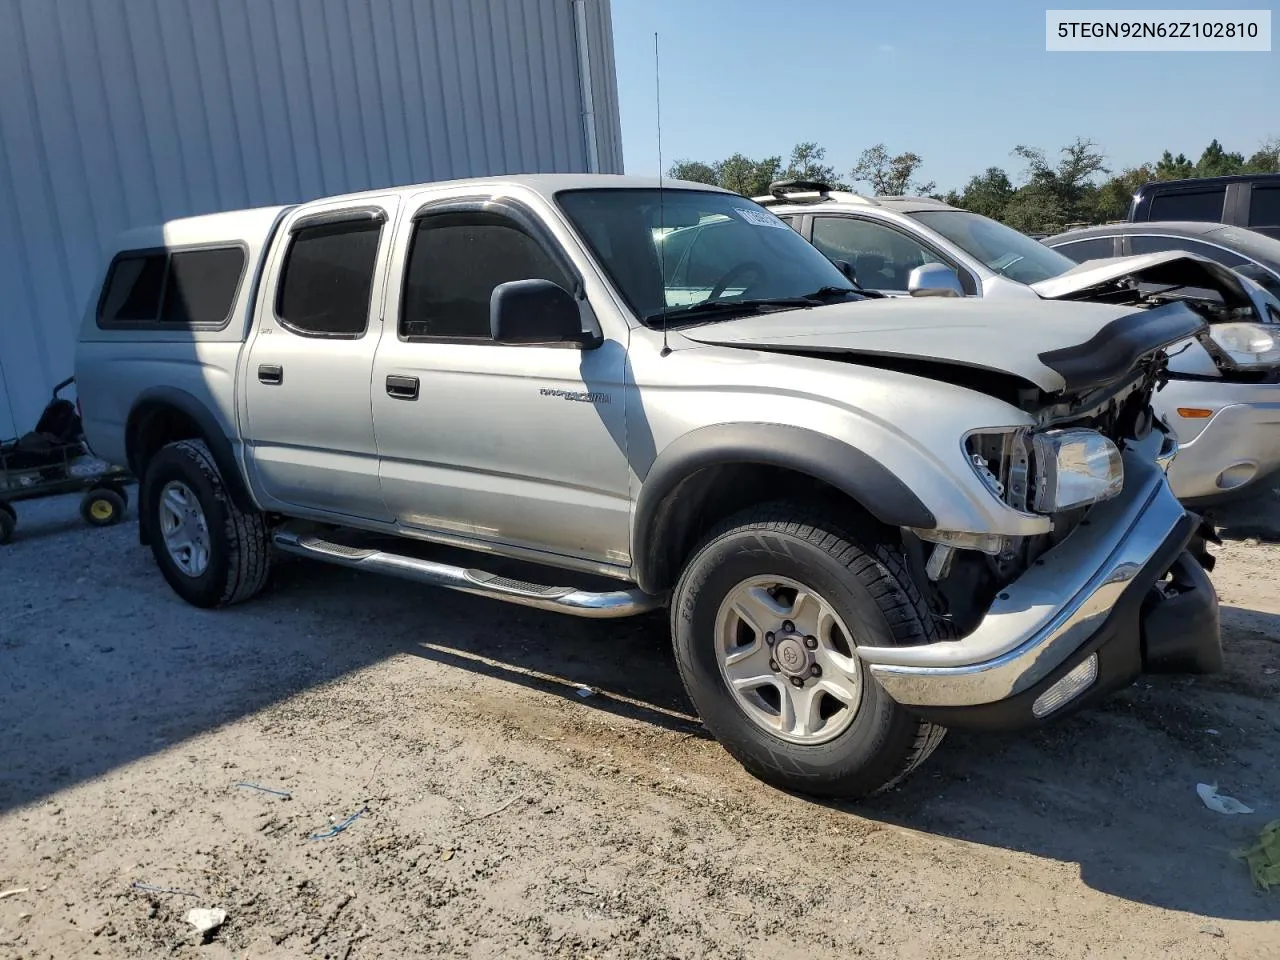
(662, 220)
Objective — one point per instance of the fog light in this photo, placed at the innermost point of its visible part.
(1077, 681)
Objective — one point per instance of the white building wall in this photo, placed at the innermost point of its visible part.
(119, 113)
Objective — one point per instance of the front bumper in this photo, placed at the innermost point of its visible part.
(1092, 591)
(1234, 448)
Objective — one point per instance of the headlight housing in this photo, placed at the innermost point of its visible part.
(1246, 344)
(1074, 468)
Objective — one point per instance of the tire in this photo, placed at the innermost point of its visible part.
(867, 589)
(233, 543)
(102, 507)
(8, 521)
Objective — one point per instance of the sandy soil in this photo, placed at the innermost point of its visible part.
(505, 815)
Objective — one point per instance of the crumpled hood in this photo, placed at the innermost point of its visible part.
(1173, 267)
(1055, 346)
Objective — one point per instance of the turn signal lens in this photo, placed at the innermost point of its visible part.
(1194, 413)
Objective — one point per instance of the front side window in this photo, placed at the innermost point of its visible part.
(455, 262)
(681, 253)
(1001, 248)
(186, 288)
(327, 278)
(1095, 248)
(882, 258)
(1203, 205)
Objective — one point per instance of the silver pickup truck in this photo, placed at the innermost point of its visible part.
(871, 518)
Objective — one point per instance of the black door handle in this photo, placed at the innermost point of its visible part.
(402, 388)
(270, 373)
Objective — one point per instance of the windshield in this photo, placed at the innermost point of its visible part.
(1001, 248)
(696, 247)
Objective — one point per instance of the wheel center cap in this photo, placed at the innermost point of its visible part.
(792, 657)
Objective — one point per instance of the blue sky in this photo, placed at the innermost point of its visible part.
(960, 83)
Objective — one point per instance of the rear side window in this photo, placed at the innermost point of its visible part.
(455, 261)
(1148, 244)
(1264, 207)
(202, 286)
(328, 278)
(189, 288)
(1095, 248)
(1189, 205)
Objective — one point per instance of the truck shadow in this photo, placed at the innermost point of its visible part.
(1112, 790)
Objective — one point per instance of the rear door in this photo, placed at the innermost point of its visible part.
(308, 424)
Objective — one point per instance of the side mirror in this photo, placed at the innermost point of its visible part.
(845, 267)
(535, 311)
(934, 280)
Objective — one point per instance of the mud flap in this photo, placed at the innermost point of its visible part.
(1179, 621)
(1205, 534)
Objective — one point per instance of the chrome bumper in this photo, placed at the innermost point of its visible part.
(1049, 612)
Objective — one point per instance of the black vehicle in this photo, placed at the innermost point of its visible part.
(1242, 200)
(52, 459)
(1248, 252)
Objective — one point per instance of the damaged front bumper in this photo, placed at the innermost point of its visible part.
(1120, 594)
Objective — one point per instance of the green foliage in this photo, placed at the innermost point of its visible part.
(890, 176)
(1075, 187)
(988, 193)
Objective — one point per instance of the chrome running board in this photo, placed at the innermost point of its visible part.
(578, 603)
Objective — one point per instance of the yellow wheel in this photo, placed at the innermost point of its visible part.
(102, 507)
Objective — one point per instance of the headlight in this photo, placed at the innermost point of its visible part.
(1074, 468)
(1247, 344)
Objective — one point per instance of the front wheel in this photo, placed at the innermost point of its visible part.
(766, 620)
(211, 552)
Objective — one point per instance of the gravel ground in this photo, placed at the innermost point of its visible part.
(505, 815)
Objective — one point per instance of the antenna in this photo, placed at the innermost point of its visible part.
(662, 213)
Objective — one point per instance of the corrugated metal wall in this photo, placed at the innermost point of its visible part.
(117, 113)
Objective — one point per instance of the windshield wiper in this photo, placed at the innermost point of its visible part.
(709, 308)
(825, 293)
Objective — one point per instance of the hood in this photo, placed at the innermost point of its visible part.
(1058, 347)
(1096, 278)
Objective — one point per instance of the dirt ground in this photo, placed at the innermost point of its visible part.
(506, 815)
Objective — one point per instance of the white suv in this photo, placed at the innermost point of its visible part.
(1223, 394)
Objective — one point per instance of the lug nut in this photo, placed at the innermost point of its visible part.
(788, 626)
(811, 643)
(773, 665)
(769, 638)
(797, 682)
(815, 671)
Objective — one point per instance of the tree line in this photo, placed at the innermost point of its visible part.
(1075, 188)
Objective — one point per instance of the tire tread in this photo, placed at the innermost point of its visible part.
(881, 569)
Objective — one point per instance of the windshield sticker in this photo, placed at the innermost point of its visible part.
(761, 218)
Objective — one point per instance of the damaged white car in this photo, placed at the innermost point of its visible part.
(1222, 392)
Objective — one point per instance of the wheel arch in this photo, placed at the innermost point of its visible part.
(162, 415)
(713, 471)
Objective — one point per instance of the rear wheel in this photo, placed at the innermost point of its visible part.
(766, 620)
(210, 551)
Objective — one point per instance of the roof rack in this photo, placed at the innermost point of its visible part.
(779, 188)
(808, 191)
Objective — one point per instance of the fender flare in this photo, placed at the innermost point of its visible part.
(211, 433)
(840, 465)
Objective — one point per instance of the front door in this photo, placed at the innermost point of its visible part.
(517, 445)
(309, 431)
